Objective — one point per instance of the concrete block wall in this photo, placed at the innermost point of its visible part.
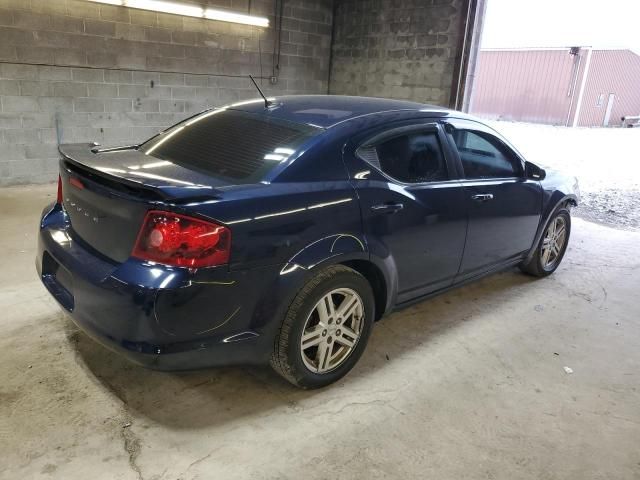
(396, 48)
(76, 71)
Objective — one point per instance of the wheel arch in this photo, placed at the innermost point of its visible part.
(376, 279)
(557, 203)
(351, 251)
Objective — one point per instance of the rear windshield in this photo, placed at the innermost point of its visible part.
(236, 146)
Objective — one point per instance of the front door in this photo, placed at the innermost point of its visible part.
(413, 210)
(504, 207)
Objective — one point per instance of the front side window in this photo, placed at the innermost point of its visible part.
(484, 156)
(232, 145)
(410, 158)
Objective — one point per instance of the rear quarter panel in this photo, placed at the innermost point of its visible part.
(273, 224)
(270, 225)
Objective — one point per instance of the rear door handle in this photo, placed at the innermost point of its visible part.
(387, 208)
(482, 197)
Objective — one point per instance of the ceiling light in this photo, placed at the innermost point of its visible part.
(166, 7)
(188, 10)
(221, 15)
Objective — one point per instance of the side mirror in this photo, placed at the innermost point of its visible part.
(534, 172)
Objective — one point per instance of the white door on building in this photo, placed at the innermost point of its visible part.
(607, 113)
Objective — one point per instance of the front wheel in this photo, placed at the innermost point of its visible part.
(551, 247)
(325, 329)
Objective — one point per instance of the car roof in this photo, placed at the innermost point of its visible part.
(326, 111)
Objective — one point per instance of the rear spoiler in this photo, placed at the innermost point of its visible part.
(123, 169)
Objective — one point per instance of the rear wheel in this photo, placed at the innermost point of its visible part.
(551, 247)
(326, 328)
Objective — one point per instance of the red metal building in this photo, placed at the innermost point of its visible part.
(577, 86)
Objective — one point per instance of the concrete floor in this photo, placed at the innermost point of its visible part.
(468, 385)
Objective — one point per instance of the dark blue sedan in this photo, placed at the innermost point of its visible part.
(278, 232)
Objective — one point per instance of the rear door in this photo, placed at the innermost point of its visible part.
(412, 204)
(504, 206)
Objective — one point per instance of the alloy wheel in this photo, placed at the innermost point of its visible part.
(332, 330)
(553, 242)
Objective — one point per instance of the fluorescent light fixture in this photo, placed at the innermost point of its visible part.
(166, 7)
(189, 10)
(223, 16)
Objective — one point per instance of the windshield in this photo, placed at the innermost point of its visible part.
(236, 146)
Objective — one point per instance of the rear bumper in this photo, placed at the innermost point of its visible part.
(157, 316)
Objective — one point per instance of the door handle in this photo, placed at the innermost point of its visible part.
(482, 197)
(387, 208)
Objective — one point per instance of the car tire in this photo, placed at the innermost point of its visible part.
(541, 264)
(310, 315)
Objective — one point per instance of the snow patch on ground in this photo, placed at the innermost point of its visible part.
(605, 160)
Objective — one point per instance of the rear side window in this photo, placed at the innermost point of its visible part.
(484, 156)
(235, 146)
(410, 158)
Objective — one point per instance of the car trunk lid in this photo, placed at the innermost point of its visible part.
(107, 193)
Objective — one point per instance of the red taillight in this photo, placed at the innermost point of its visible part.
(182, 241)
(59, 199)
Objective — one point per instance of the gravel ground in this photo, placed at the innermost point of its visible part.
(605, 160)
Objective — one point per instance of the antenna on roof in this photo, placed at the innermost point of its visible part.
(267, 103)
